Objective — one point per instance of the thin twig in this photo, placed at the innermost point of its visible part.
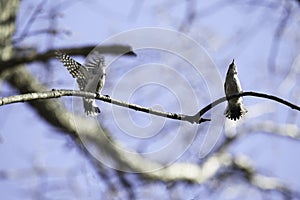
(37, 10)
(255, 94)
(279, 31)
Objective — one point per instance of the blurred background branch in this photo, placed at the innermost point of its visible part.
(44, 152)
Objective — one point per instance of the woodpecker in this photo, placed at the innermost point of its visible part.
(235, 108)
(90, 77)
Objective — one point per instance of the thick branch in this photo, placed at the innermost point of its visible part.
(84, 51)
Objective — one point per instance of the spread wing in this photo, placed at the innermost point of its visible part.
(77, 70)
(95, 66)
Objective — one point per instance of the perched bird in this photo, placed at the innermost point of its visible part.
(90, 77)
(235, 108)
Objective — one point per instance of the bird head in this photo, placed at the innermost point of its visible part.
(232, 68)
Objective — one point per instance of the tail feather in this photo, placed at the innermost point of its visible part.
(235, 112)
(90, 107)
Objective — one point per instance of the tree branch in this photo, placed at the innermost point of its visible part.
(58, 116)
(254, 94)
(84, 51)
(192, 119)
(105, 98)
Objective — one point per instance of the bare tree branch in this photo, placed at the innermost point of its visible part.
(192, 119)
(254, 94)
(55, 114)
(244, 165)
(281, 27)
(34, 15)
(84, 51)
(190, 15)
(7, 26)
(105, 98)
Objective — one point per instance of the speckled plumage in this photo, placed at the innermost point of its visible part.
(235, 108)
(90, 77)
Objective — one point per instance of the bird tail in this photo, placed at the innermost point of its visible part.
(234, 112)
(90, 107)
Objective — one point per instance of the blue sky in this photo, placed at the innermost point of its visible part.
(239, 31)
